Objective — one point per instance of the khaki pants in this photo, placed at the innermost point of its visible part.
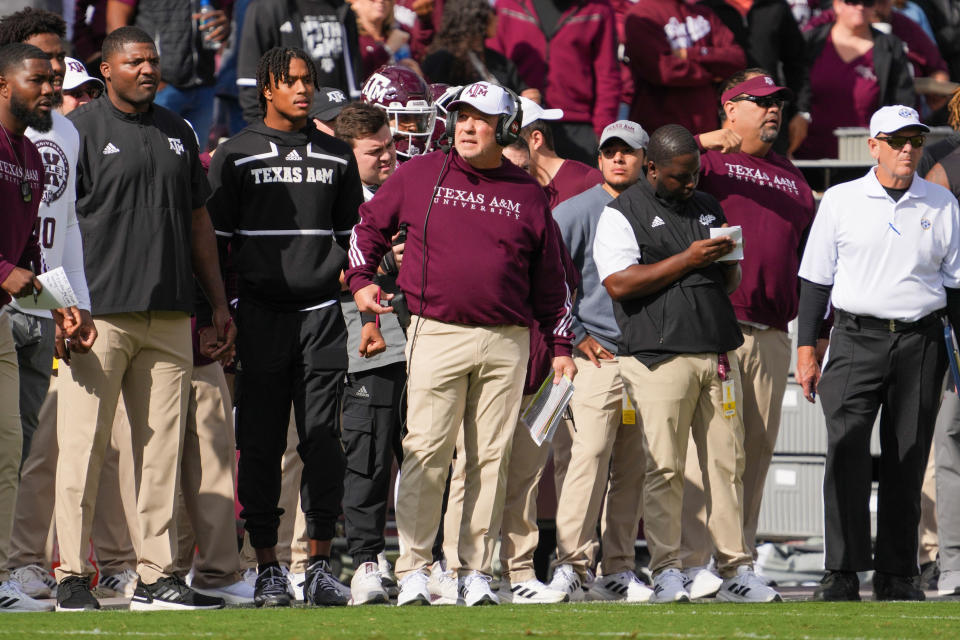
(11, 437)
(207, 482)
(148, 357)
(458, 375)
(764, 361)
(929, 540)
(116, 519)
(519, 533)
(677, 397)
(293, 548)
(597, 413)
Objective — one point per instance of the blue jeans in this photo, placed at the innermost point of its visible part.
(194, 105)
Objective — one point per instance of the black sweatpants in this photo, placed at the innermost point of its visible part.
(372, 416)
(299, 358)
(902, 373)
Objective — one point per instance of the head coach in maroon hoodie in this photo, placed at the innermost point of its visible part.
(481, 265)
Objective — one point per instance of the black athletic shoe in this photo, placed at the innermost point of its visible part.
(171, 593)
(321, 588)
(838, 586)
(73, 594)
(887, 586)
(272, 588)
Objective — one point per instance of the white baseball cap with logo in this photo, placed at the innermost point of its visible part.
(626, 130)
(893, 118)
(77, 75)
(533, 112)
(491, 99)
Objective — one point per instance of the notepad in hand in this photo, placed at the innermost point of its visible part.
(736, 234)
(543, 413)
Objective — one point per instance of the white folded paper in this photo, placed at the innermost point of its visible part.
(736, 234)
(57, 292)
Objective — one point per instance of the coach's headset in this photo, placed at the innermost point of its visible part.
(508, 124)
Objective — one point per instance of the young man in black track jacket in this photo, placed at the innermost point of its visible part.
(285, 198)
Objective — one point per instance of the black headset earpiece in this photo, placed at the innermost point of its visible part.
(508, 124)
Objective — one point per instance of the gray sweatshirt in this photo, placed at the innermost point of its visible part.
(593, 310)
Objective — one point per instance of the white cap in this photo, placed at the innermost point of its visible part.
(485, 97)
(77, 75)
(626, 130)
(894, 118)
(533, 112)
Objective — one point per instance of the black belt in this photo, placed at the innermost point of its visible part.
(881, 324)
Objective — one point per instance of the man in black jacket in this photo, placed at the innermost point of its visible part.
(285, 197)
(325, 29)
(655, 256)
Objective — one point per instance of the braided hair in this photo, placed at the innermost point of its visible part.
(276, 63)
(953, 110)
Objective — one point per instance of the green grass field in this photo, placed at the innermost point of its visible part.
(799, 620)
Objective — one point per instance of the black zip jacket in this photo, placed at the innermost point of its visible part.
(325, 29)
(138, 182)
(282, 199)
(184, 62)
(692, 314)
(889, 64)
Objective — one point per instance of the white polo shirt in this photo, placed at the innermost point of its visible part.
(885, 259)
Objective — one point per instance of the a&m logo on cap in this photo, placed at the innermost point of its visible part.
(76, 67)
(768, 80)
(906, 112)
(478, 89)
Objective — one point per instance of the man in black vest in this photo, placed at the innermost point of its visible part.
(671, 299)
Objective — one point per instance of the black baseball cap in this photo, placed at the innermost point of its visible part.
(328, 102)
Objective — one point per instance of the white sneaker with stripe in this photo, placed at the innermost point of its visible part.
(530, 592)
(14, 600)
(668, 587)
(747, 586)
(624, 586)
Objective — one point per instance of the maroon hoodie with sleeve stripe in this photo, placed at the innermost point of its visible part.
(19, 246)
(493, 254)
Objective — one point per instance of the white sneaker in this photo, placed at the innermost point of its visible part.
(701, 582)
(237, 593)
(116, 585)
(668, 587)
(443, 585)
(566, 580)
(475, 590)
(387, 579)
(747, 587)
(367, 586)
(413, 590)
(250, 576)
(14, 600)
(948, 584)
(297, 580)
(624, 586)
(530, 592)
(35, 581)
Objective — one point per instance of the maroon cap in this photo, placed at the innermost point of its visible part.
(756, 86)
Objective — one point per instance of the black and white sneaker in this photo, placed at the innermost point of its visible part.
(321, 588)
(73, 594)
(272, 588)
(171, 594)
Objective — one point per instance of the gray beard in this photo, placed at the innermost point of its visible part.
(768, 136)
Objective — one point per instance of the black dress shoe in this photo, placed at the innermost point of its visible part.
(838, 586)
(929, 576)
(887, 586)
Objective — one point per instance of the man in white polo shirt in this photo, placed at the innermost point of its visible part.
(883, 250)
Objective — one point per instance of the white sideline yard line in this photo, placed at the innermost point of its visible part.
(678, 636)
(102, 632)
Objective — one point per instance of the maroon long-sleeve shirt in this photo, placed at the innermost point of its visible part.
(493, 254)
(668, 88)
(577, 69)
(18, 244)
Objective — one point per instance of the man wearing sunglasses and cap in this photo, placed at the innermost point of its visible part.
(767, 196)
(79, 87)
(883, 251)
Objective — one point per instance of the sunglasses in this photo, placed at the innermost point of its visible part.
(866, 3)
(92, 92)
(764, 102)
(899, 142)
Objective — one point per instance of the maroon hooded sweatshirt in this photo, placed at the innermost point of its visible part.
(669, 89)
(577, 69)
(493, 252)
(18, 244)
